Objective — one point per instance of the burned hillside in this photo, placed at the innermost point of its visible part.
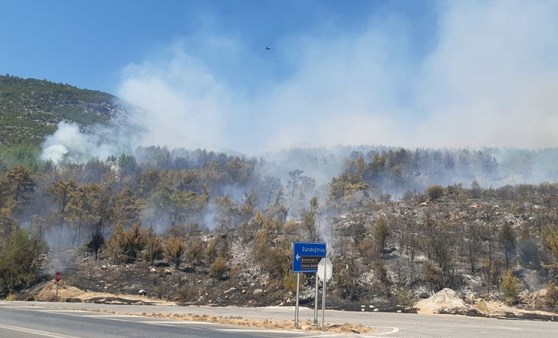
(213, 228)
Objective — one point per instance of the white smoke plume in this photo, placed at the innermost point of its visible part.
(488, 79)
(70, 144)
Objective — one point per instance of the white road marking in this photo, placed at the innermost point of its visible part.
(62, 311)
(31, 331)
(333, 335)
(174, 322)
(393, 330)
(17, 306)
(503, 328)
(109, 316)
(259, 331)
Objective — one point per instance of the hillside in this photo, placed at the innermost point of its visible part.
(30, 109)
(209, 228)
(454, 240)
(214, 229)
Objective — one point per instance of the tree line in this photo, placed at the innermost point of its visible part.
(388, 214)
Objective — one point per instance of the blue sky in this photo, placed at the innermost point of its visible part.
(88, 43)
(403, 73)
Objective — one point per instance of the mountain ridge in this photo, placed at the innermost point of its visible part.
(30, 109)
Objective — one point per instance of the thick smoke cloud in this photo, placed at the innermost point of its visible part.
(72, 145)
(488, 79)
(184, 105)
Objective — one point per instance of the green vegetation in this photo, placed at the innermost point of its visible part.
(23, 154)
(30, 109)
(510, 288)
(20, 260)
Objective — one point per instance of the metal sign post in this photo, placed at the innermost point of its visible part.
(57, 277)
(316, 302)
(325, 270)
(324, 296)
(296, 308)
(306, 257)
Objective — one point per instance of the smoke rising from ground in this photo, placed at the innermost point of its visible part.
(72, 145)
(488, 79)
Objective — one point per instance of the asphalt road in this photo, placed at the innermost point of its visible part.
(35, 319)
(21, 320)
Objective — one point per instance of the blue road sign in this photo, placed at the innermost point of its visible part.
(307, 256)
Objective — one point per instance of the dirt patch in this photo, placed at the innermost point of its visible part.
(444, 301)
(47, 292)
(265, 323)
(447, 301)
(497, 309)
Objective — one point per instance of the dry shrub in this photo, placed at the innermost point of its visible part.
(482, 307)
(289, 282)
(211, 249)
(126, 246)
(433, 275)
(195, 251)
(159, 292)
(368, 248)
(551, 296)
(434, 192)
(380, 272)
(346, 278)
(279, 261)
(235, 271)
(153, 247)
(403, 297)
(174, 250)
(381, 233)
(490, 272)
(217, 247)
(290, 227)
(550, 239)
(273, 256)
(510, 288)
(187, 294)
(218, 268)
